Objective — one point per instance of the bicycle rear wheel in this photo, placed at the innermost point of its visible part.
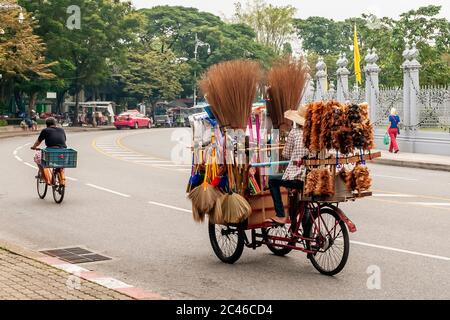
(58, 187)
(276, 245)
(331, 243)
(41, 185)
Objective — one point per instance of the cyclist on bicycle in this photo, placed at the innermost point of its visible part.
(293, 177)
(53, 136)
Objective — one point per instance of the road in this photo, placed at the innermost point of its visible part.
(127, 200)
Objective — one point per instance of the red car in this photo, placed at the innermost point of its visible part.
(133, 120)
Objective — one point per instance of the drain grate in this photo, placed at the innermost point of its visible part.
(75, 255)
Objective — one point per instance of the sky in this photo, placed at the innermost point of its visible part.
(336, 9)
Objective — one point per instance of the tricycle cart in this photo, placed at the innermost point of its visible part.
(318, 227)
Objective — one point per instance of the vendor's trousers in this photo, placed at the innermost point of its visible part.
(275, 184)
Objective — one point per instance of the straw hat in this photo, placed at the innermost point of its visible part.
(298, 116)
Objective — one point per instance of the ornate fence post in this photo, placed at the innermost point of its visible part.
(342, 78)
(371, 71)
(308, 94)
(406, 87)
(413, 69)
(331, 92)
(321, 80)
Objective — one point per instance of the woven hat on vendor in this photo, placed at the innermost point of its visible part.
(297, 116)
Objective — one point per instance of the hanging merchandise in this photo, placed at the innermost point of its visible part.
(230, 88)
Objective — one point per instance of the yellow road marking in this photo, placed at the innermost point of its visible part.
(119, 143)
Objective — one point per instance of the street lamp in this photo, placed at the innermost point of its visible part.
(198, 43)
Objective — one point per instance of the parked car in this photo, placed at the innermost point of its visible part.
(132, 119)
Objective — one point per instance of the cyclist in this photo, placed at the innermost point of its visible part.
(53, 136)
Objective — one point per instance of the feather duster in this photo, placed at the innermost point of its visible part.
(316, 120)
(367, 127)
(362, 178)
(326, 125)
(312, 180)
(325, 185)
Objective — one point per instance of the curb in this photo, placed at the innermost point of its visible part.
(88, 275)
(413, 164)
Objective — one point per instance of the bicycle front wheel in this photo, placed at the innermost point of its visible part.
(59, 187)
(41, 185)
(331, 244)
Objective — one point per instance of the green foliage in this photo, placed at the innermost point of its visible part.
(3, 123)
(326, 37)
(273, 24)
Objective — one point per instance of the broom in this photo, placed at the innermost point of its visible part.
(204, 196)
(286, 81)
(230, 88)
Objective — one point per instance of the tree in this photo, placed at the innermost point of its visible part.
(22, 59)
(174, 28)
(154, 75)
(84, 53)
(273, 25)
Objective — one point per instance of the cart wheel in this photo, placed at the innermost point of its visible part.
(58, 188)
(227, 242)
(280, 231)
(41, 185)
(332, 244)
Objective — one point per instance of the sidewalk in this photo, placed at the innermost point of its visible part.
(29, 275)
(414, 160)
(8, 132)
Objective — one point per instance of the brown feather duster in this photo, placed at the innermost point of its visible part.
(325, 130)
(325, 186)
(362, 178)
(312, 180)
(316, 120)
(286, 81)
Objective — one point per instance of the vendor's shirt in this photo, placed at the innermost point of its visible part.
(294, 150)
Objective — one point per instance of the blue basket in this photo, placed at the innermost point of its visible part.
(59, 158)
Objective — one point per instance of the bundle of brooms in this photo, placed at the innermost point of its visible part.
(286, 84)
(230, 88)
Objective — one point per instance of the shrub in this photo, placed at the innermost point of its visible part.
(3, 123)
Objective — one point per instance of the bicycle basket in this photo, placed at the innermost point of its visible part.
(59, 158)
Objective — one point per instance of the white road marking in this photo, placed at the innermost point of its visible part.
(18, 158)
(108, 190)
(71, 179)
(401, 250)
(30, 165)
(431, 203)
(151, 161)
(393, 195)
(15, 152)
(169, 206)
(394, 177)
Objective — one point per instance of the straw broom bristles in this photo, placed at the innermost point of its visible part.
(230, 88)
(286, 81)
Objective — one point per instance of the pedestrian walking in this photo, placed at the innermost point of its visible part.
(394, 130)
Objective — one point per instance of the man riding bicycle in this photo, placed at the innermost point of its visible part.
(54, 137)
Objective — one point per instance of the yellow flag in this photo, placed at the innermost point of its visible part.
(357, 57)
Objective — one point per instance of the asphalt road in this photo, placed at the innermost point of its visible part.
(127, 200)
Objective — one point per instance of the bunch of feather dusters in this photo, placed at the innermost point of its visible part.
(334, 125)
(344, 128)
